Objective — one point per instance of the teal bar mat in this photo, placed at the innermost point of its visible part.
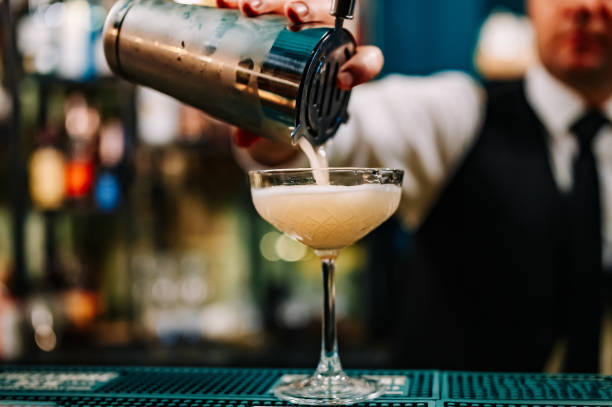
(216, 383)
(84, 386)
(25, 404)
(85, 401)
(520, 404)
(525, 386)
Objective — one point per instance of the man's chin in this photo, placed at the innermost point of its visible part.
(585, 73)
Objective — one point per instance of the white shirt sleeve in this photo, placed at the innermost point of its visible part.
(423, 125)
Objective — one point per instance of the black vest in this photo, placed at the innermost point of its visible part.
(489, 286)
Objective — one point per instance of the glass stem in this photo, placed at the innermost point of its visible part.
(329, 364)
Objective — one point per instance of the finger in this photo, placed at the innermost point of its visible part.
(362, 67)
(272, 153)
(227, 3)
(253, 8)
(302, 11)
(245, 139)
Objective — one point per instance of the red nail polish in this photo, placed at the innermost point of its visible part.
(245, 139)
(250, 9)
(297, 12)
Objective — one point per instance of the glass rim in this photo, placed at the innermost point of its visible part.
(329, 169)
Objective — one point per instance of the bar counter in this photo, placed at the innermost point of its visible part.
(54, 385)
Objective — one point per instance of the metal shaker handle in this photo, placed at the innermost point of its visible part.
(343, 9)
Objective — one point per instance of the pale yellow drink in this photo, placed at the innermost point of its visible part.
(333, 210)
(318, 160)
(327, 217)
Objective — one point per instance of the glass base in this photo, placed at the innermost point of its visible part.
(322, 390)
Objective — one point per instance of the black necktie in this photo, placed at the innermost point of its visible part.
(585, 197)
(586, 250)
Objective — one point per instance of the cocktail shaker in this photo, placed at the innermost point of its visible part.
(256, 73)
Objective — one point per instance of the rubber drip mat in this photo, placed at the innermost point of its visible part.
(25, 404)
(521, 404)
(55, 381)
(84, 401)
(525, 386)
(48, 386)
(195, 382)
(217, 382)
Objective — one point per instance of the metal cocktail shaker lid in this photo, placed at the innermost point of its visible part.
(254, 73)
(322, 106)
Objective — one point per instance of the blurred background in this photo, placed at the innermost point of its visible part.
(127, 233)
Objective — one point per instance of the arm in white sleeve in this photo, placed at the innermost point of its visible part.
(424, 125)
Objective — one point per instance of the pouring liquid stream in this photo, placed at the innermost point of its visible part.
(318, 160)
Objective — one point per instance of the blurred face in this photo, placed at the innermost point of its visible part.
(574, 39)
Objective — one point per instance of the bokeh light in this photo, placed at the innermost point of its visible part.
(112, 143)
(82, 121)
(275, 246)
(45, 338)
(47, 180)
(107, 191)
(80, 307)
(79, 178)
(41, 315)
(289, 249)
(267, 246)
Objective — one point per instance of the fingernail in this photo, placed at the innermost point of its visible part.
(298, 11)
(245, 139)
(254, 4)
(345, 80)
(250, 8)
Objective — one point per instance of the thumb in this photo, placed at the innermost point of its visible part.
(362, 67)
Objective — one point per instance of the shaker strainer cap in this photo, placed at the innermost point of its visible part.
(321, 105)
(311, 58)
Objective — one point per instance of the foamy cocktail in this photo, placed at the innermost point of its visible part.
(327, 217)
(327, 209)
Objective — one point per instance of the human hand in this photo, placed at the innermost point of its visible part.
(362, 67)
(264, 151)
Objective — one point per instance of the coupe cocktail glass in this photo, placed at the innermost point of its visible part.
(345, 205)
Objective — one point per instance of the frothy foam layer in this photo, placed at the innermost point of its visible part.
(327, 217)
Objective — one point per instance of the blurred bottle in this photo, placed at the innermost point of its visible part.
(63, 39)
(10, 326)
